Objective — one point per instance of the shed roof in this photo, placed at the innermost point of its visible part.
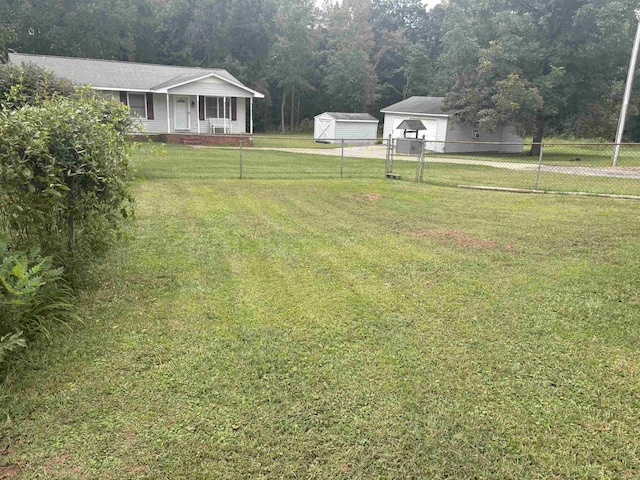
(411, 125)
(358, 117)
(420, 105)
(114, 75)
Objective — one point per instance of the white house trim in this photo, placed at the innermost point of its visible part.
(122, 89)
(175, 113)
(198, 110)
(443, 115)
(226, 80)
(355, 121)
(251, 115)
(168, 116)
(255, 94)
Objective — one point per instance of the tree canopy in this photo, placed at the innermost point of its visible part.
(546, 65)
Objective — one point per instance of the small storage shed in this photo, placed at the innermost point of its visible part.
(333, 127)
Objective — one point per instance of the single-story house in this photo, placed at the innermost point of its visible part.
(167, 99)
(333, 127)
(443, 133)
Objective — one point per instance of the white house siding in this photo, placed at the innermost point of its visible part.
(352, 130)
(159, 122)
(210, 87)
(513, 143)
(487, 142)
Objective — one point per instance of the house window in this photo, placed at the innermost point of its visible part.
(214, 107)
(138, 104)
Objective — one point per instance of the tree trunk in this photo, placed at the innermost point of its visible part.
(537, 136)
(298, 113)
(292, 118)
(282, 105)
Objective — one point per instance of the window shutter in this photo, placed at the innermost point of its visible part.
(150, 106)
(234, 113)
(201, 107)
(123, 98)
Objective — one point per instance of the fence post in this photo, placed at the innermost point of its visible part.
(390, 169)
(240, 158)
(420, 177)
(539, 165)
(386, 163)
(341, 157)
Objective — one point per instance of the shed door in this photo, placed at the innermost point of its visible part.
(324, 128)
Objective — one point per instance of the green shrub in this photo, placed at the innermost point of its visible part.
(32, 297)
(30, 84)
(63, 172)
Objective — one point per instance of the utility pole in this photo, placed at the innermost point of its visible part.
(627, 90)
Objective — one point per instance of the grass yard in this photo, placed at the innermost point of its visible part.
(557, 151)
(182, 162)
(343, 328)
(305, 140)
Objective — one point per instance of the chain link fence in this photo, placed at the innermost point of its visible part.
(549, 167)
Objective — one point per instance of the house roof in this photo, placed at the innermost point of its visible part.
(131, 76)
(358, 117)
(419, 105)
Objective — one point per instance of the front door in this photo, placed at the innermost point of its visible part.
(182, 113)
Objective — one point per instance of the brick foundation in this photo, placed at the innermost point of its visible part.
(195, 139)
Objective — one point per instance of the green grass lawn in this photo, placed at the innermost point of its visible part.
(343, 328)
(560, 153)
(289, 141)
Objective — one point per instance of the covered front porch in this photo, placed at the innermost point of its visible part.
(196, 114)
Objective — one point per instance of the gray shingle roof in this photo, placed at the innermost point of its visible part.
(411, 125)
(350, 116)
(419, 105)
(113, 75)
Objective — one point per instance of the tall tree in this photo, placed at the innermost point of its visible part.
(507, 57)
(76, 28)
(289, 62)
(350, 80)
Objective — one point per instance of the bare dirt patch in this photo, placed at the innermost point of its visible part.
(9, 471)
(460, 238)
(367, 197)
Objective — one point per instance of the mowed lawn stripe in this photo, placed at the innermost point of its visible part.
(346, 329)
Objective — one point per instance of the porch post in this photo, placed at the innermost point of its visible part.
(224, 114)
(168, 116)
(250, 116)
(198, 111)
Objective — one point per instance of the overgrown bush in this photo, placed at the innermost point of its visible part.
(63, 171)
(34, 85)
(32, 296)
(63, 192)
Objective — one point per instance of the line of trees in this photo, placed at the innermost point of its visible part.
(548, 65)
